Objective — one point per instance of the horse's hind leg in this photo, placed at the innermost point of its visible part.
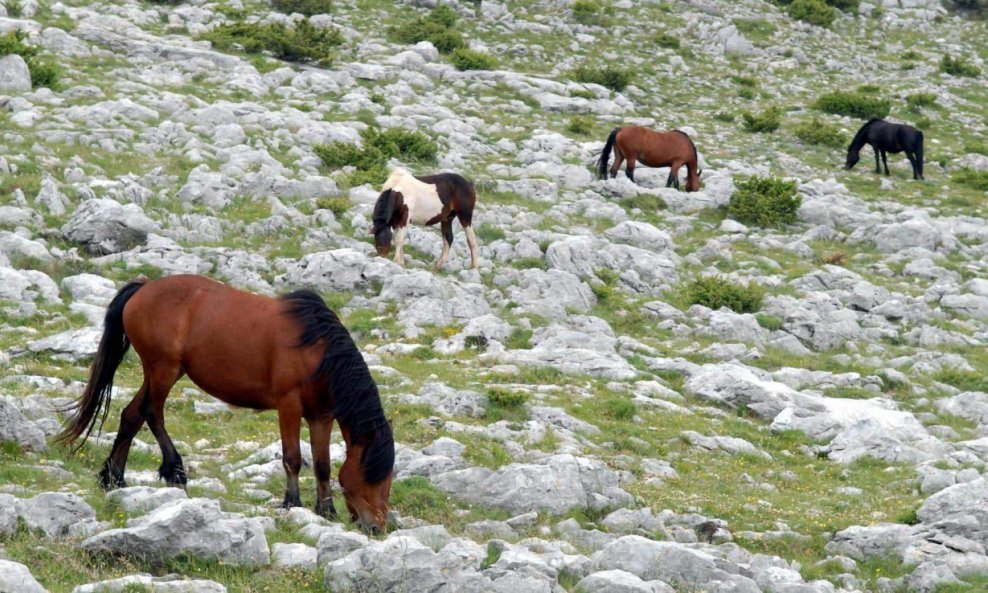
(913, 163)
(320, 430)
(131, 421)
(447, 230)
(674, 173)
(629, 170)
(290, 422)
(616, 166)
(160, 381)
(878, 162)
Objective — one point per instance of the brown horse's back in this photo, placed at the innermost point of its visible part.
(227, 341)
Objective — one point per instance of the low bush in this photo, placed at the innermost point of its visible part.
(821, 133)
(338, 205)
(468, 59)
(768, 120)
(715, 292)
(769, 322)
(587, 12)
(44, 71)
(306, 7)
(958, 67)
(917, 101)
(304, 42)
(506, 398)
(580, 125)
(853, 104)
(437, 27)
(764, 201)
(814, 12)
(370, 161)
(666, 40)
(616, 79)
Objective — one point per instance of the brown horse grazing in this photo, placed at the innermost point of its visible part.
(424, 201)
(636, 144)
(290, 354)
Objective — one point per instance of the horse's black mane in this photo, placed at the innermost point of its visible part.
(383, 210)
(356, 403)
(696, 156)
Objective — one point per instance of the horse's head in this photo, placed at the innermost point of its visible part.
(365, 478)
(693, 181)
(388, 204)
(853, 156)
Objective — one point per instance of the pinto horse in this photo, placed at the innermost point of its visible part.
(406, 198)
(290, 354)
(636, 144)
(885, 137)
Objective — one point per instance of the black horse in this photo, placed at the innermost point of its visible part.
(885, 138)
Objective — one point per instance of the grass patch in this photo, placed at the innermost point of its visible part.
(438, 28)
(588, 12)
(767, 121)
(957, 66)
(580, 125)
(853, 104)
(467, 59)
(715, 292)
(917, 101)
(304, 42)
(612, 77)
(814, 12)
(666, 40)
(974, 179)
(819, 132)
(963, 380)
(306, 7)
(764, 201)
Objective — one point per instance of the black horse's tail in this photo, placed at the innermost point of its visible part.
(605, 155)
(95, 400)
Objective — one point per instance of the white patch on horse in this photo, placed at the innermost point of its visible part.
(421, 199)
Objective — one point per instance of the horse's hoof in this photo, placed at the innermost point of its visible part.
(327, 509)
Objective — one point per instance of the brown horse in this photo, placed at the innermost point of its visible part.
(636, 144)
(425, 201)
(290, 354)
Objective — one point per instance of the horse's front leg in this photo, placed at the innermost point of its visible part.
(472, 243)
(878, 159)
(401, 235)
(447, 231)
(320, 430)
(885, 160)
(290, 422)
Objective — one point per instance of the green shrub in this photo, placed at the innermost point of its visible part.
(917, 101)
(338, 205)
(620, 408)
(304, 42)
(814, 12)
(971, 178)
(725, 116)
(506, 398)
(821, 133)
(764, 201)
(468, 59)
(766, 121)
(666, 40)
(769, 322)
(963, 380)
(853, 104)
(407, 145)
(44, 72)
(437, 27)
(306, 7)
(715, 292)
(370, 161)
(616, 79)
(580, 125)
(587, 12)
(958, 67)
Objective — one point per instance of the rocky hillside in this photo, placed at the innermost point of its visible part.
(640, 389)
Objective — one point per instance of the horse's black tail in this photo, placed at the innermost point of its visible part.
(605, 155)
(95, 400)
